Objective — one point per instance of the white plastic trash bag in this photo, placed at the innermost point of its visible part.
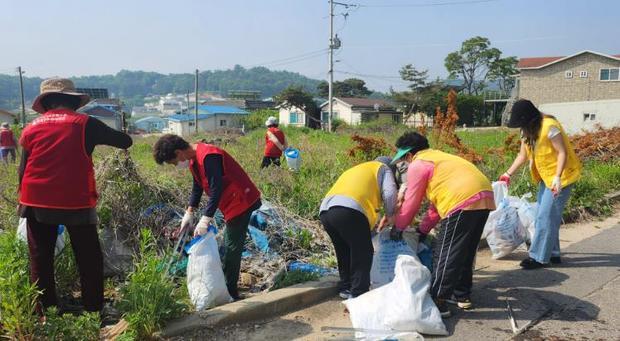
(384, 259)
(503, 231)
(527, 216)
(22, 234)
(401, 306)
(205, 279)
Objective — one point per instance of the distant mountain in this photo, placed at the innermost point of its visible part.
(132, 86)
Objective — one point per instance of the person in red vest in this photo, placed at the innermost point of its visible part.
(8, 143)
(275, 143)
(229, 188)
(57, 187)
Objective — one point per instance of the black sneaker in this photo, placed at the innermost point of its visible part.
(345, 294)
(442, 305)
(556, 260)
(531, 264)
(461, 302)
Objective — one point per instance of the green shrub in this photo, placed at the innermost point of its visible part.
(68, 327)
(18, 296)
(288, 278)
(149, 297)
(256, 119)
(66, 269)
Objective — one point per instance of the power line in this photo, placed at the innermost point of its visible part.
(448, 3)
(318, 54)
(277, 61)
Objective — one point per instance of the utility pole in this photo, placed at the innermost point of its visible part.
(196, 104)
(21, 88)
(331, 65)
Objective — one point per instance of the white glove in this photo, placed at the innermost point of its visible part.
(203, 225)
(556, 186)
(187, 221)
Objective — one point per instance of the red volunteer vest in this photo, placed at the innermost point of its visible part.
(239, 192)
(271, 150)
(59, 174)
(6, 138)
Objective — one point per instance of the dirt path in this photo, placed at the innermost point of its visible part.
(306, 324)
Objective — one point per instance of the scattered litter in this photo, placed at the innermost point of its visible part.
(306, 267)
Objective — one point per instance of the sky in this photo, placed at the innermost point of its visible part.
(77, 37)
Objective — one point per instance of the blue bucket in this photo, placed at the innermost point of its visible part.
(293, 159)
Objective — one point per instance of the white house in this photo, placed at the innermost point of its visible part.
(6, 116)
(292, 116)
(151, 124)
(354, 111)
(111, 118)
(210, 118)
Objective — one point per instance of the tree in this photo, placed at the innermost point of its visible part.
(352, 87)
(504, 70)
(472, 62)
(421, 96)
(296, 96)
(417, 78)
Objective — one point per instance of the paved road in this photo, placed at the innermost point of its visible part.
(580, 299)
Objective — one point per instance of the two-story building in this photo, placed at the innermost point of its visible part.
(582, 90)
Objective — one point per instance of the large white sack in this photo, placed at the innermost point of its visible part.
(22, 234)
(205, 279)
(384, 259)
(403, 305)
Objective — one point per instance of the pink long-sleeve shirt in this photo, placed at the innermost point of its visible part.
(419, 174)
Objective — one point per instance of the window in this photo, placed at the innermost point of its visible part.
(191, 123)
(222, 123)
(609, 74)
(583, 74)
(592, 117)
(568, 74)
(293, 118)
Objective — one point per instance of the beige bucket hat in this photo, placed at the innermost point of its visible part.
(57, 86)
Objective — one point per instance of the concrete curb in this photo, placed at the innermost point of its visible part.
(272, 303)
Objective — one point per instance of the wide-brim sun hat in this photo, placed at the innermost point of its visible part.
(400, 153)
(57, 86)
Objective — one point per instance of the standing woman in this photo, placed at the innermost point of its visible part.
(57, 186)
(275, 143)
(554, 166)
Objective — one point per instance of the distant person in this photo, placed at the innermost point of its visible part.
(8, 143)
(229, 188)
(554, 166)
(57, 186)
(460, 199)
(275, 143)
(349, 214)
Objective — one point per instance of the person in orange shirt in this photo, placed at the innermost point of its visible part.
(275, 143)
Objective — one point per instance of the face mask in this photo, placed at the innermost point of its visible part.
(183, 164)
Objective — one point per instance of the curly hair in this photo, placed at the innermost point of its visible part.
(165, 147)
(413, 140)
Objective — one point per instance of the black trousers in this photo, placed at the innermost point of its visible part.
(234, 239)
(88, 256)
(268, 161)
(350, 234)
(454, 251)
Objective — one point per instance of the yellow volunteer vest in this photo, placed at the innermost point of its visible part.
(361, 184)
(545, 160)
(454, 180)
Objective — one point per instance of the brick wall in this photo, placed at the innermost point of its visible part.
(549, 84)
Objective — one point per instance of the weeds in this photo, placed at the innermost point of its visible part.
(68, 327)
(149, 297)
(18, 297)
(288, 278)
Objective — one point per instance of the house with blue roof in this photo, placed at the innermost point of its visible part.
(151, 124)
(210, 118)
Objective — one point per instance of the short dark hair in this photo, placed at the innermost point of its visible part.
(413, 140)
(53, 101)
(165, 147)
